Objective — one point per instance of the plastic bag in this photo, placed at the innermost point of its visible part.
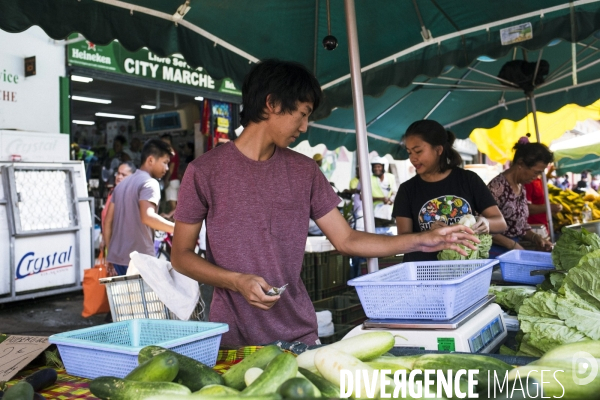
(95, 299)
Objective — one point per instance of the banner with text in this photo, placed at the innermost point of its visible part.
(145, 64)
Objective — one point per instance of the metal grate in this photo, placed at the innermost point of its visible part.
(44, 200)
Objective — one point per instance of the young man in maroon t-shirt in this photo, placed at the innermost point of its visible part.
(257, 197)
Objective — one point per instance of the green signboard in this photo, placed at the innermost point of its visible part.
(145, 64)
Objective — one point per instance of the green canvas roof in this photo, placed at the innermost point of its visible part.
(401, 42)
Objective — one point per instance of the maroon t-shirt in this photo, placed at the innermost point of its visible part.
(257, 215)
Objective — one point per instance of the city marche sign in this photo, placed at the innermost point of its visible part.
(145, 64)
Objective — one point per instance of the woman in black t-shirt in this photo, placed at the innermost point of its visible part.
(441, 192)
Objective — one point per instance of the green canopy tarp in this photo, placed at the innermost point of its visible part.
(585, 157)
(401, 42)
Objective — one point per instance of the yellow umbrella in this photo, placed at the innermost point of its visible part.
(497, 142)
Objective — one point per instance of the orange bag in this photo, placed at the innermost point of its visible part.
(95, 299)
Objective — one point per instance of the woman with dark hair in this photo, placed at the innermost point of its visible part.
(441, 192)
(529, 162)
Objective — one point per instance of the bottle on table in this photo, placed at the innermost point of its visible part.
(586, 213)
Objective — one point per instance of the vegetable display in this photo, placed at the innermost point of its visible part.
(282, 378)
(550, 318)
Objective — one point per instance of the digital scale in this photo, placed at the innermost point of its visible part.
(478, 329)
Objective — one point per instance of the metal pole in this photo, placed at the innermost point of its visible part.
(544, 180)
(362, 146)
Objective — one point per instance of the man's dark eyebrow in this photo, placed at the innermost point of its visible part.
(310, 110)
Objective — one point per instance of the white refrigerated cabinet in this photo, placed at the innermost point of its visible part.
(45, 216)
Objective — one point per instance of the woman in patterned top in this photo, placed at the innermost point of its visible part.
(529, 162)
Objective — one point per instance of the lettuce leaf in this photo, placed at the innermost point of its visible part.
(572, 245)
(511, 297)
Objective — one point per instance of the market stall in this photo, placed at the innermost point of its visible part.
(45, 216)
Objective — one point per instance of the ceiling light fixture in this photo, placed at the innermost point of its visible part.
(199, 98)
(83, 79)
(148, 107)
(80, 122)
(108, 115)
(91, 99)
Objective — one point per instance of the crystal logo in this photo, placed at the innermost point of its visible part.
(585, 368)
(30, 264)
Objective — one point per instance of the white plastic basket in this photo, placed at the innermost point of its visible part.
(516, 265)
(131, 297)
(435, 290)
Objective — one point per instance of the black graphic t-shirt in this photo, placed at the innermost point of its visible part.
(462, 192)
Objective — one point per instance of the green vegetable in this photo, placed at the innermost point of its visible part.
(234, 377)
(19, 391)
(327, 389)
(406, 362)
(251, 375)
(217, 390)
(161, 368)
(192, 373)
(511, 297)
(42, 379)
(558, 381)
(486, 365)
(482, 251)
(296, 388)
(566, 351)
(364, 347)
(108, 387)
(279, 370)
(330, 362)
(571, 246)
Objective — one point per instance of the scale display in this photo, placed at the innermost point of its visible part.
(486, 335)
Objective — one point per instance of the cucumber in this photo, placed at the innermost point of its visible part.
(251, 375)
(161, 368)
(316, 391)
(279, 370)
(296, 388)
(566, 351)
(392, 367)
(558, 382)
(330, 362)
(42, 379)
(234, 377)
(455, 362)
(192, 373)
(109, 387)
(19, 391)
(327, 389)
(407, 362)
(273, 396)
(364, 347)
(217, 390)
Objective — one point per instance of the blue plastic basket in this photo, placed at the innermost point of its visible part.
(112, 349)
(517, 264)
(435, 290)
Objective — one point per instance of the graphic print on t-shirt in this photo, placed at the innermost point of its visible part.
(448, 209)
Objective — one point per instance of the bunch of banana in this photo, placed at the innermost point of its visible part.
(571, 203)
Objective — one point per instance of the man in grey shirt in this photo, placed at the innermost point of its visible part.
(133, 212)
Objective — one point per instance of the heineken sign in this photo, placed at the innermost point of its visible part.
(145, 64)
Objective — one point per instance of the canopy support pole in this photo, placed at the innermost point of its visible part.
(544, 180)
(362, 145)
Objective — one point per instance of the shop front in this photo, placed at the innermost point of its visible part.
(136, 96)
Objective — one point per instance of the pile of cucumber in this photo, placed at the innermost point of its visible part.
(270, 373)
(28, 388)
